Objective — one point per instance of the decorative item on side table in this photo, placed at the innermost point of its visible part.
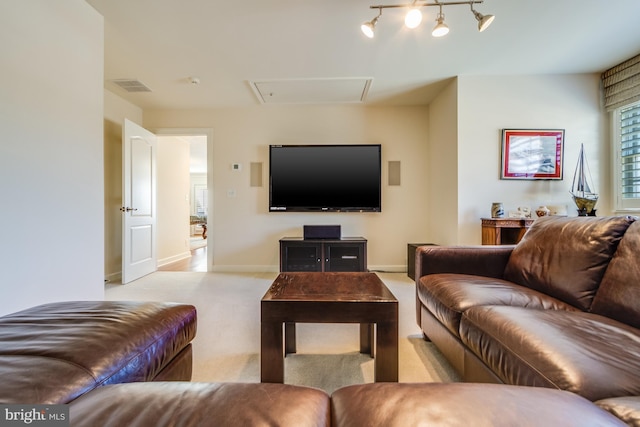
(532, 154)
(557, 210)
(542, 211)
(582, 189)
(521, 212)
(497, 210)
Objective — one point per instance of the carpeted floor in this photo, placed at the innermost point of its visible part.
(227, 345)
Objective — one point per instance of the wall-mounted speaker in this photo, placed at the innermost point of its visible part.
(255, 175)
(394, 172)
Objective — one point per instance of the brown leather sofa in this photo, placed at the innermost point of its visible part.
(54, 353)
(111, 363)
(379, 404)
(561, 309)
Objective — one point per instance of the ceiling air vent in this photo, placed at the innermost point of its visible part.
(131, 85)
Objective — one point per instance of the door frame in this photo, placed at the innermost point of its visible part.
(208, 132)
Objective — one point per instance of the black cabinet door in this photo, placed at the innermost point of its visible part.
(344, 257)
(300, 256)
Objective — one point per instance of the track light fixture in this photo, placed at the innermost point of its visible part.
(441, 29)
(414, 16)
(369, 27)
(483, 20)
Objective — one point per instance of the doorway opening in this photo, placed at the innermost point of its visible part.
(184, 225)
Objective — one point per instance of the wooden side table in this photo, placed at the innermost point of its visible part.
(504, 231)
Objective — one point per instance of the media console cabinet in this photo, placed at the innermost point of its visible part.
(344, 254)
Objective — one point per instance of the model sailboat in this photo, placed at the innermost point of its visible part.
(582, 188)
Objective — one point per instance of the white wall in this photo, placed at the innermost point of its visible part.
(443, 167)
(244, 235)
(51, 157)
(449, 151)
(116, 109)
(173, 206)
(486, 105)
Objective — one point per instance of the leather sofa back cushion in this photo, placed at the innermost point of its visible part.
(176, 403)
(462, 404)
(619, 294)
(566, 257)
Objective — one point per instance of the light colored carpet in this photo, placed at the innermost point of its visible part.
(227, 344)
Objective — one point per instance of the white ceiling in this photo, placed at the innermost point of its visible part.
(229, 44)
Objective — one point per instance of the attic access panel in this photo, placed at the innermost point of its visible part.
(312, 91)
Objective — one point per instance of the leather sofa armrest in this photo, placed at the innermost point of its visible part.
(489, 261)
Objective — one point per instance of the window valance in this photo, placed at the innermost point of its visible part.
(621, 84)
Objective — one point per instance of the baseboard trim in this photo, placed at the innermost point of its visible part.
(113, 277)
(179, 257)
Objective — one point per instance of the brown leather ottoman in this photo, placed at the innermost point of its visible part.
(463, 404)
(161, 404)
(54, 353)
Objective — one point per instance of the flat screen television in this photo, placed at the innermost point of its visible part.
(325, 178)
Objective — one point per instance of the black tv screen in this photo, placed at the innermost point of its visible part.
(331, 178)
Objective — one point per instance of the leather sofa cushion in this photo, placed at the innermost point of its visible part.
(463, 405)
(80, 345)
(161, 404)
(447, 296)
(619, 294)
(566, 257)
(626, 408)
(584, 353)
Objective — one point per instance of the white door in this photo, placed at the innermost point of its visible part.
(138, 202)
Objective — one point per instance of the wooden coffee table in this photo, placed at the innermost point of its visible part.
(329, 298)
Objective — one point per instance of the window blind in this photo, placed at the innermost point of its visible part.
(621, 84)
(630, 151)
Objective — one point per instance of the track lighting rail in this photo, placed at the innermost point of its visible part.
(422, 4)
(414, 16)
